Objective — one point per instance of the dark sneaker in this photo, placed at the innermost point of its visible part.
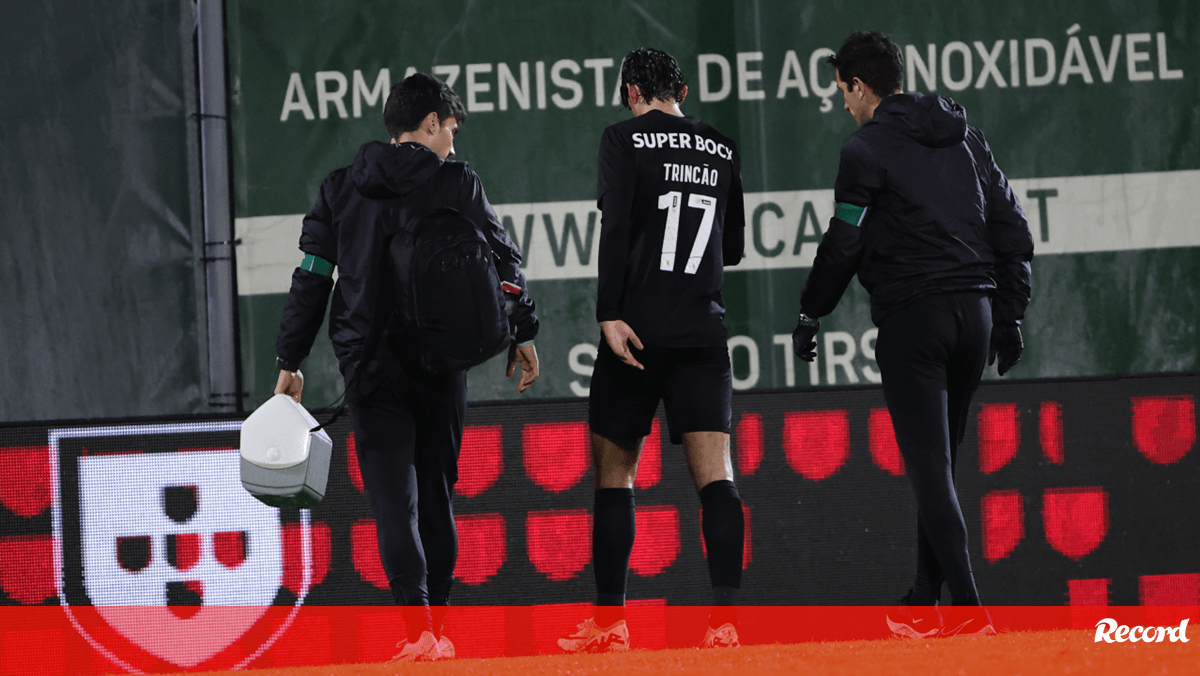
(909, 621)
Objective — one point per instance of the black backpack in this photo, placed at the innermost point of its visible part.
(455, 304)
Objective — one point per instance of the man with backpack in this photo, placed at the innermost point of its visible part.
(398, 313)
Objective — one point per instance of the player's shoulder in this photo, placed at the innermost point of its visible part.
(705, 129)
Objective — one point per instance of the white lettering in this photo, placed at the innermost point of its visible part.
(1133, 57)
(844, 360)
(824, 92)
(957, 47)
(1135, 634)
(1014, 63)
(575, 360)
(1074, 62)
(747, 343)
(563, 82)
(1032, 79)
(990, 69)
(539, 73)
(295, 100)
(325, 97)
(507, 83)
(1165, 73)
(792, 77)
(1109, 67)
(448, 72)
(784, 340)
(867, 343)
(707, 94)
(1104, 630)
(927, 67)
(747, 76)
(638, 140)
(474, 88)
(1122, 633)
(598, 66)
(378, 93)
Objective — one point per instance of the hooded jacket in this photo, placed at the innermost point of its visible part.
(939, 215)
(346, 227)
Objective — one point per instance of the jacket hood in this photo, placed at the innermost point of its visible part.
(933, 121)
(385, 170)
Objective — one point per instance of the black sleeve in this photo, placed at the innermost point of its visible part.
(733, 244)
(1012, 247)
(475, 203)
(309, 295)
(614, 197)
(840, 253)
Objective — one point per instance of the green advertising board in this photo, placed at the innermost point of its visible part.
(1093, 111)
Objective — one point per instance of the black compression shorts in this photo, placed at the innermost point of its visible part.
(695, 385)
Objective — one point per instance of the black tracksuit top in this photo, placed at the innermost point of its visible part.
(347, 225)
(941, 216)
(672, 217)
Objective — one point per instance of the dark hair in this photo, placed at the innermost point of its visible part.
(873, 58)
(415, 98)
(655, 72)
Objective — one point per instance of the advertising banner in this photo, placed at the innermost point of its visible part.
(1091, 111)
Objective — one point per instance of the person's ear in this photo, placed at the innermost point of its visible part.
(682, 95)
(431, 123)
(634, 94)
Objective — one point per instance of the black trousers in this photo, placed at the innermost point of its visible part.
(407, 430)
(931, 354)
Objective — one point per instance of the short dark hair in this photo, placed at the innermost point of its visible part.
(873, 58)
(655, 72)
(413, 99)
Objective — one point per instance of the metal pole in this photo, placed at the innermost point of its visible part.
(224, 359)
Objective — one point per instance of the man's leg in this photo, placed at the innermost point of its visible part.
(385, 435)
(614, 524)
(443, 404)
(913, 348)
(722, 520)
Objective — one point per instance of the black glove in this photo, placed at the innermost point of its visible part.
(803, 343)
(1006, 342)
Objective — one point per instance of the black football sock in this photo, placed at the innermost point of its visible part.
(438, 616)
(613, 529)
(724, 527)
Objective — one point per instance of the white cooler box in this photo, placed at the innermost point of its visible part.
(283, 463)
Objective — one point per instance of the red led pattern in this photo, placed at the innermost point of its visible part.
(480, 460)
(649, 471)
(999, 436)
(1164, 428)
(293, 554)
(1050, 431)
(1003, 515)
(556, 454)
(750, 447)
(885, 452)
(1075, 519)
(482, 547)
(27, 568)
(1169, 590)
(816, 443)
(559, 542)
(25, 481)
(656, 540)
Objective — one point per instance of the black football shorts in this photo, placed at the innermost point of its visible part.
(694, 383)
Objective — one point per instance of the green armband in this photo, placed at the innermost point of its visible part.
(317, 264)
(848, 213)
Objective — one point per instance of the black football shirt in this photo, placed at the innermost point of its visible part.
(672, 216)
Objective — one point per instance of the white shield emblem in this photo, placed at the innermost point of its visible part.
(172, 552)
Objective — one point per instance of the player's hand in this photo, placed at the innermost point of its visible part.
(803, 338)
(619, 337)
(1006, 344)
(290, 383)
(527, 358)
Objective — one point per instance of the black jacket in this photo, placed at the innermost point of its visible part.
(940, 215)
(346, 227)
